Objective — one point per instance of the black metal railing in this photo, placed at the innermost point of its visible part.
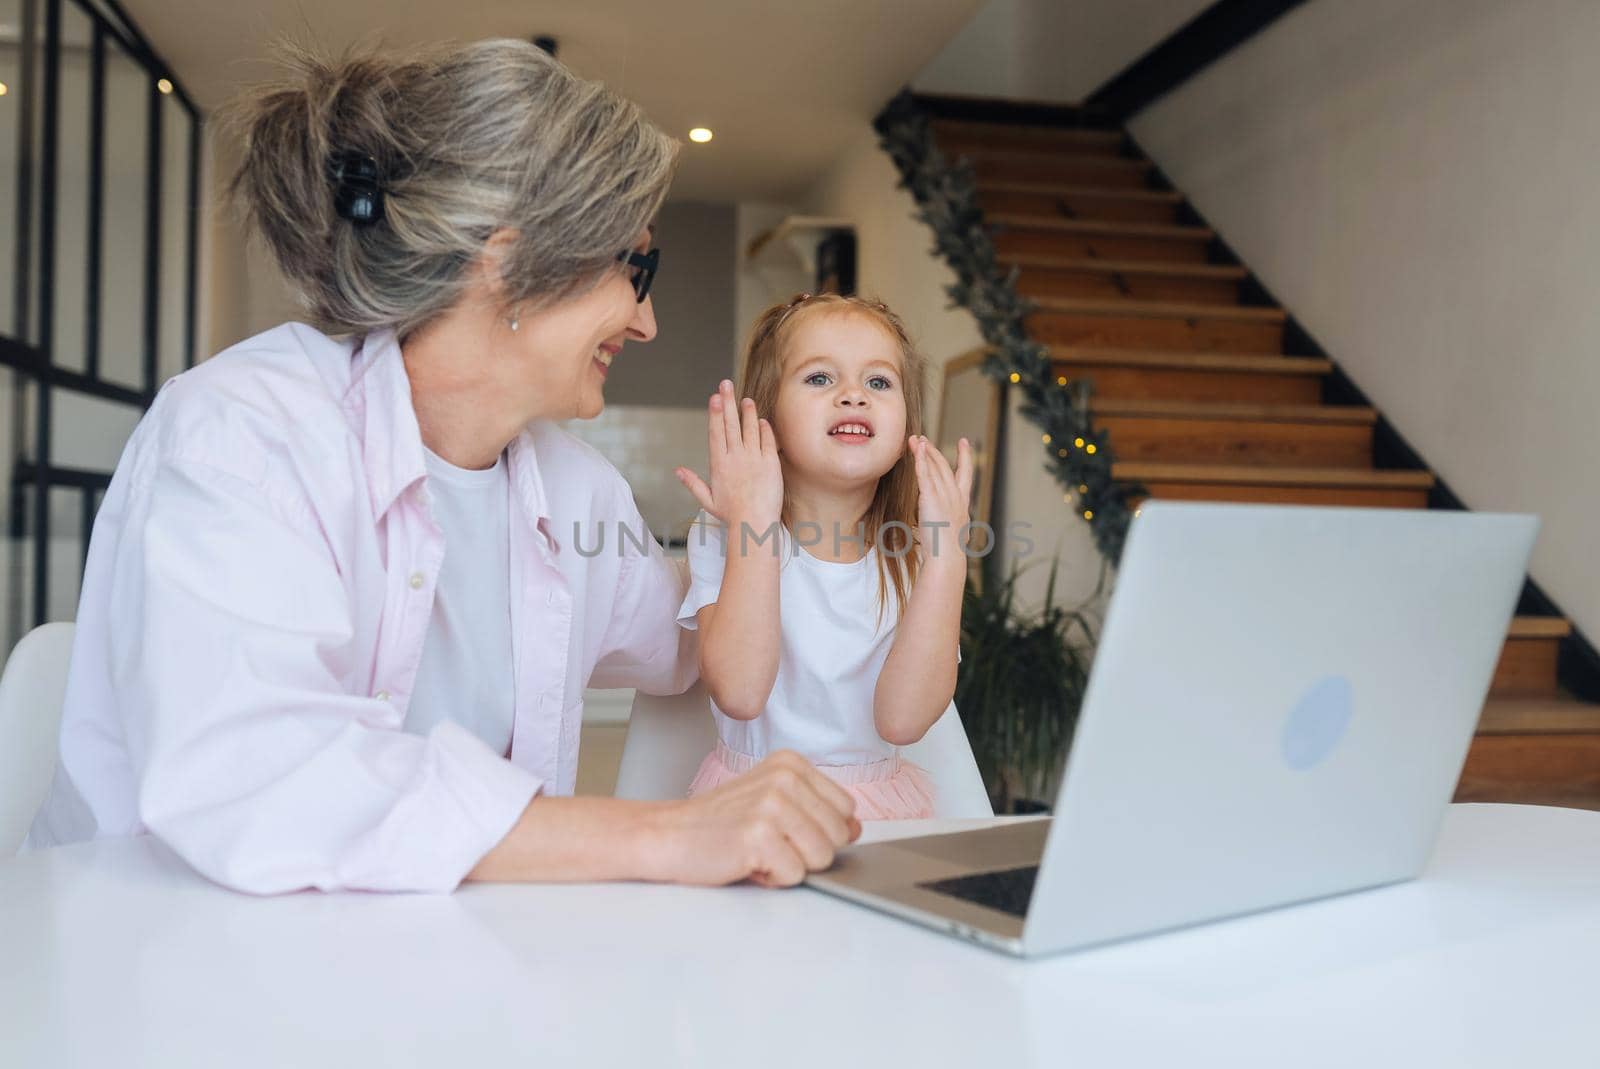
(30, 350)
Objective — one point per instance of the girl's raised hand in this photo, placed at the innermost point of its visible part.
(746, 477)
(943, 497)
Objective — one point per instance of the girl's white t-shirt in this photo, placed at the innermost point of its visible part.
(831, 653)
(465, 672)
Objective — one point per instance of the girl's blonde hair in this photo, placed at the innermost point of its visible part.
(895, 501)
(467, 140)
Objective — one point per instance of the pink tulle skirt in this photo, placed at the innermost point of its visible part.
(891, 789)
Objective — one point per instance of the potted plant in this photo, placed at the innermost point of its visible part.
(1020, 684)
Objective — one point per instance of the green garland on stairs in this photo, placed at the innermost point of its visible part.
(1077, 454)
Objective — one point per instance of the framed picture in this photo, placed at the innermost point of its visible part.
(970, 408)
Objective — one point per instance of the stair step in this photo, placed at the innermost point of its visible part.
(1561, 715)
(1354, 415)
(1101, 239)
(1058, 200)
(1527, 666)
(1249, 475)
(1122, 308)
(1287, 486)
(1152, 324)
(1165, 375)
(1296, 436)
(1188, 360)
(1072, 168)
(1540, 627)
(957, 135)
(1065, 189)
(1535, 751)
(1040, 276)
(1112, 228)
(1154, 268)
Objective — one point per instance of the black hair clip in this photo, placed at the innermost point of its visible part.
(359, 194)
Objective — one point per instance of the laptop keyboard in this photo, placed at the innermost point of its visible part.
(1007, 890)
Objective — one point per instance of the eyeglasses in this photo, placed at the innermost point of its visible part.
(644, 266)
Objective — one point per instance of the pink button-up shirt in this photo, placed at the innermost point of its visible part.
(257, 592)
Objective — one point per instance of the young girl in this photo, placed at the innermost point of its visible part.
(828, 594)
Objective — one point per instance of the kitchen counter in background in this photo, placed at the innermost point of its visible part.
(646, 443)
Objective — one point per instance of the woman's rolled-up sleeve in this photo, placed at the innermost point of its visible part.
(256, 763)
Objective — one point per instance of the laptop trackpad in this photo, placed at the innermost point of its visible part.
(899, 872)
(1002, 847)
(905, 862)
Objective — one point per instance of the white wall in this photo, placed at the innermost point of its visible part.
(981, 60)
(231, 307)
(1048, 50)
(693, 297)
(242, 293)
(1416, 183)
(764, 280)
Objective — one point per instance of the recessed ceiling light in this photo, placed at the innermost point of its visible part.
(164, 85)
(700, 135)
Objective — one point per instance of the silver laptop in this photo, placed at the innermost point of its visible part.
(1279, 709)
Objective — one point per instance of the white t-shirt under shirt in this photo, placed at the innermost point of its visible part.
(832, 651)
(465, 674)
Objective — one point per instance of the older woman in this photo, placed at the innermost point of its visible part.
(334, 629)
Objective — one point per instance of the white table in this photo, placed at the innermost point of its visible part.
(115, 954)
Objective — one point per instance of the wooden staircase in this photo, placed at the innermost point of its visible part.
(1202, 399)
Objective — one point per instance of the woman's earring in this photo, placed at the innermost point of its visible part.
(515, 322)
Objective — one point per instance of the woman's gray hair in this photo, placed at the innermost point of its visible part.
(468, 140)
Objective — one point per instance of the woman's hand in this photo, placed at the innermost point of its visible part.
(771, 825)
(746, 477)
(943, 497)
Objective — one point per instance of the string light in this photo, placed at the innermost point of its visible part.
(1061, 380)
(1083, 488)
(700, 135)
(1015, 377)
(1047, 439)
(3, 89)
(1088, 514)
(1061, 452)
(165, 87)
(1078, 442)
(1090, 449)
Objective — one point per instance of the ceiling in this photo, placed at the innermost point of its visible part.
(784, 85)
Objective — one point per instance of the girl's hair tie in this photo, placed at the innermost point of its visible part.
(358, 188)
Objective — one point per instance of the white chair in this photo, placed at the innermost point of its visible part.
(31, 693)
(668, 737)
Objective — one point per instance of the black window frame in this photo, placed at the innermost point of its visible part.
(28, 352)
